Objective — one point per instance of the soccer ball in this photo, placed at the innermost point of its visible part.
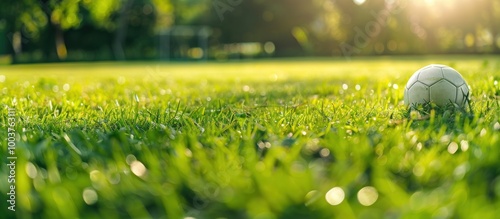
(438, 84)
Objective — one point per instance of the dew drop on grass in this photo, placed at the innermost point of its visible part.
(483, 132)
(311, 197)
(445, 139)
(267, 145)
(367, 196)
(246, 88)
(414, 139)
(496, 126)
(138, 168)
(89, 196)
(261, 145)
(335, 196)
(130, 158)
(464, 145)
(114, 178)
(418, 170)
(31, 170)
(94, 175)
(324, 152)
(452, 148)
(312, 145)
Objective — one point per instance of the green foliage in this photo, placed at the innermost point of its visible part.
(318, 27)
(264, 139)
(101, 12)
(65, 13)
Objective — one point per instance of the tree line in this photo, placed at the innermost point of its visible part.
(69, 30)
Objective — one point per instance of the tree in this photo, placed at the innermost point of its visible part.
(279, 21)
(24, 22)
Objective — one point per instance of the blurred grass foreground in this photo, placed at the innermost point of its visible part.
(267, 139)
(162, 127)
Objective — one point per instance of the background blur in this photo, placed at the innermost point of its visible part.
(90, 30)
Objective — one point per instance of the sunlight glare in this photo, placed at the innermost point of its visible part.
(359, 2)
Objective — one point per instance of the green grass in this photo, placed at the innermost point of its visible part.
(256, 139)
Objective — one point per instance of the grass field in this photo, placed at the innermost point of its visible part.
(253, 139)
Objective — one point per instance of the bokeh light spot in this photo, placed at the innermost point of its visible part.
(31, 170)
(359, 2)
(269, 47)
(335, 196)
(324, 152)
(464, 145)
(130, 158)
(311, 197)
(138, 168)
(89, 196)
(66, 87)
(452, 148)
(367, 196)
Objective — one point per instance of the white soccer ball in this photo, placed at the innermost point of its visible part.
(438, 84)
